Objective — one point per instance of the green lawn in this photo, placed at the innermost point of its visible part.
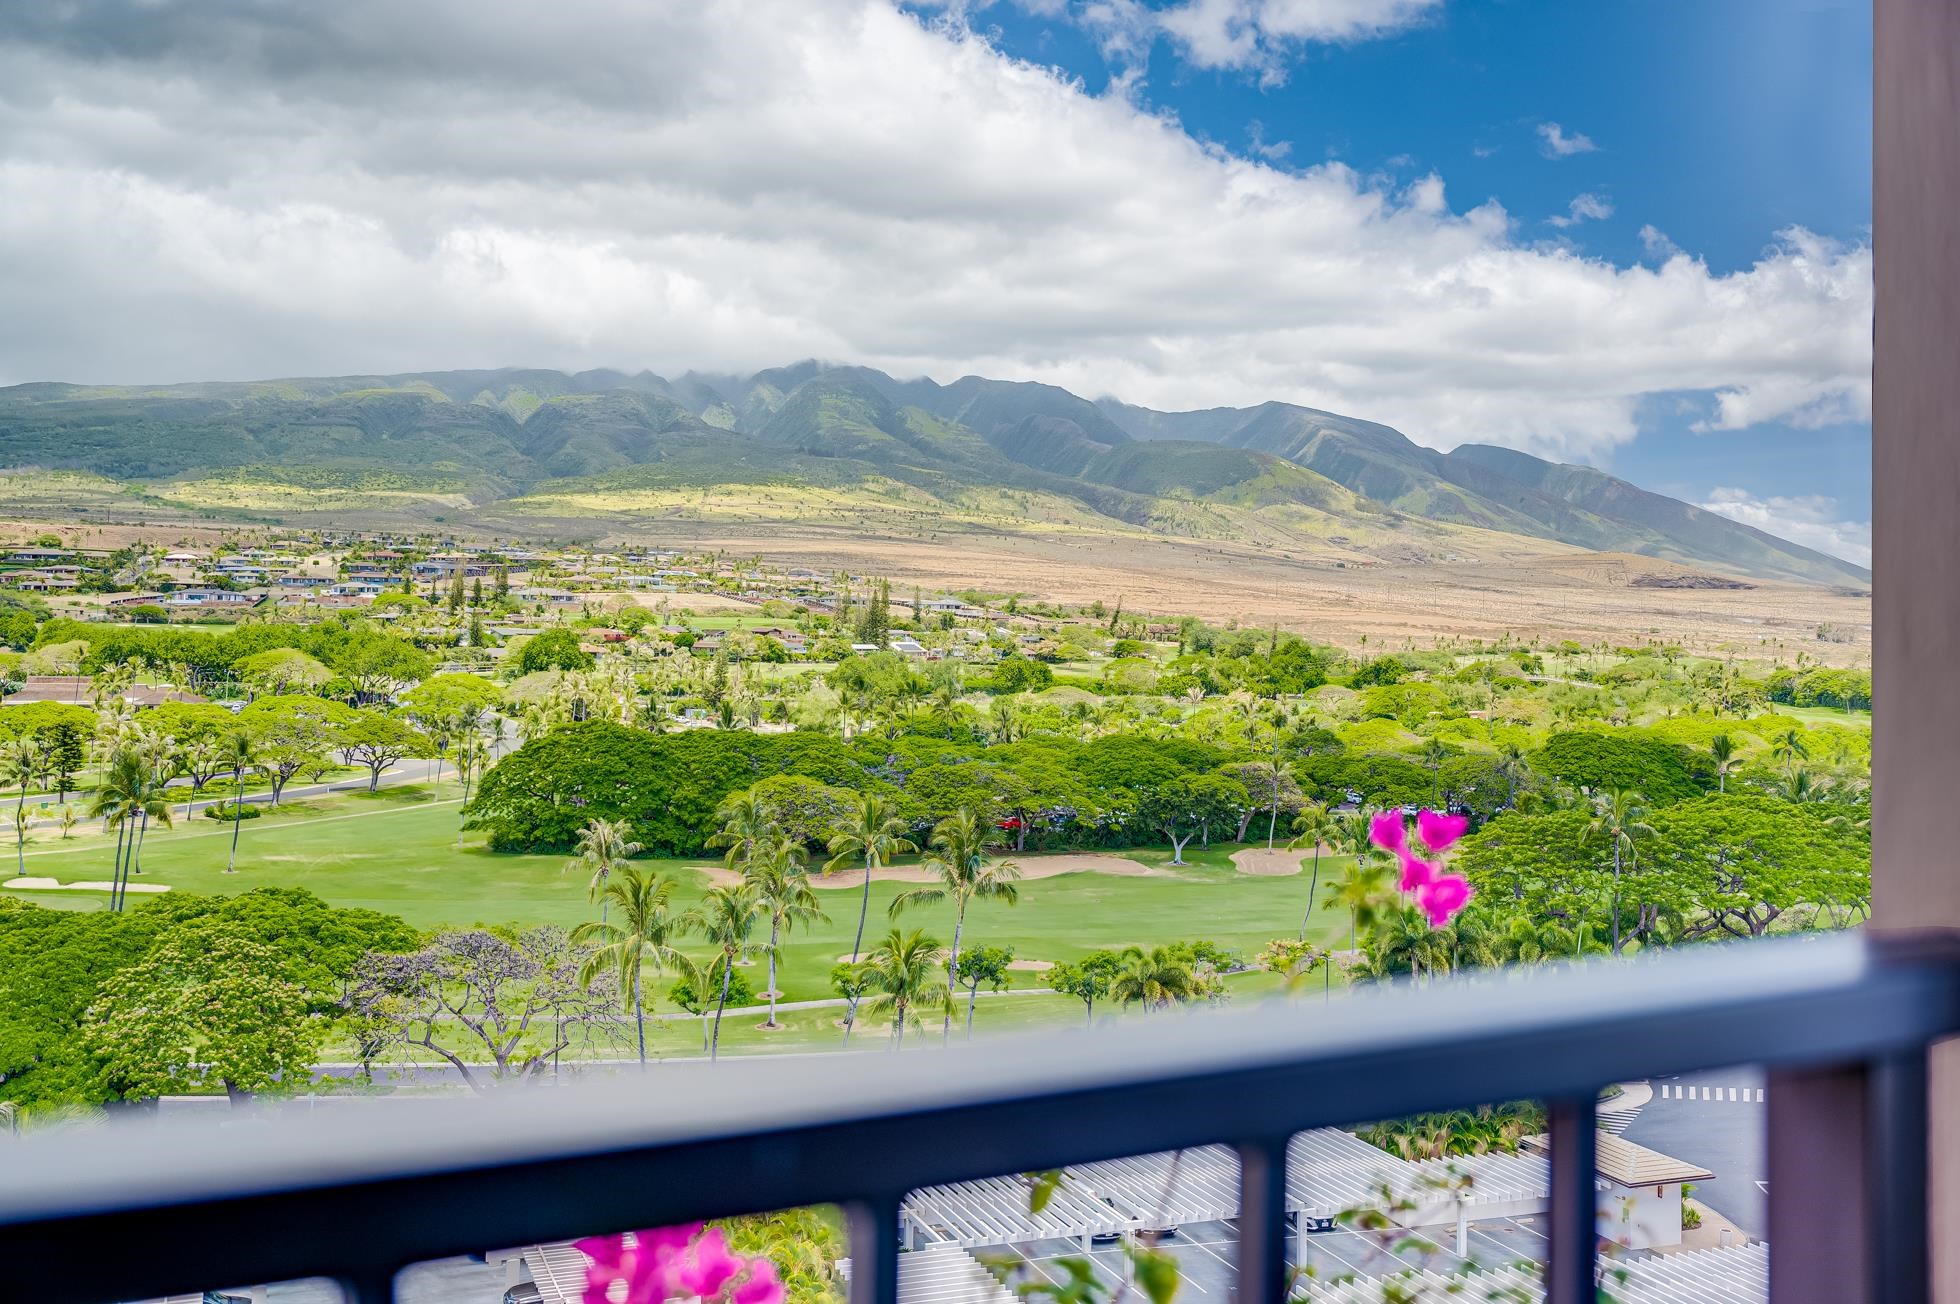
(1815, 715)
(396, 851)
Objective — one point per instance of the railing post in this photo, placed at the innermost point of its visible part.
(1262, 1271)
(1896, 1121)
(1820, 1184)
(874, 1250)
(1570, 1271)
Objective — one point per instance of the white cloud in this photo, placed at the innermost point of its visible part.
(1555, 143)
(265, 191)
(1272, 150)
(1655, 242)
(1811, 520)
(1260, 36)
(1583, 208)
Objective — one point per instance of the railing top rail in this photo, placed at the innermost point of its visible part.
(400, 1184)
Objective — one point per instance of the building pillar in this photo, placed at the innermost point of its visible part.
(1916, 529)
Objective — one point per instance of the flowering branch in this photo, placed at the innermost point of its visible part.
(1440, 896)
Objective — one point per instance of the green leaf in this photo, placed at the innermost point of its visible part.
(1042, 1187)
(1155, 1273)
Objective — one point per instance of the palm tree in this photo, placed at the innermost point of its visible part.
(747, 824)
(1621, 817)
(1311, 828)
(1433, 754)
(1155, 978)
(782, 886)
(875, 833)
(158, 756)
(128, 792)
(1789, 748)
(643, 938)
(237, 749)
(1512, 764)
(21, 761)
(472, 753)
(1722, 748)
(1403, 942)
(903, 971)
(959, 857)
(1360, 890)
(726, 920)
(604, 846)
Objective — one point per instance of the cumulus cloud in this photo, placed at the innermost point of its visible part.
(1257, 36)
(1583, 208)
(1553, 141)
(1811, 520)
(290, 189)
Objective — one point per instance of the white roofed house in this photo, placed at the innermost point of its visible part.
(1639, 1191)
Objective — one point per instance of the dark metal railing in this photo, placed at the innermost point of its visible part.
(1842, 1023)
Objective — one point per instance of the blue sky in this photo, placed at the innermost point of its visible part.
(1627, 232)
(1715, 123)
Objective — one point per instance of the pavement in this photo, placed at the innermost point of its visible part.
(1715, 1120)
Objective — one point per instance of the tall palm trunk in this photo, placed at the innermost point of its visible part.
(640, 1017)
(952, 969)
(1312, 888)
(136, 852)
(20, 832)
(775, 933)
(1616, 896)
(727, 968)
(115, 875)
(899, 1044)
(857, 945)
(237, 816)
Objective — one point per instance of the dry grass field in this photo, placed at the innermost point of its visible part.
(1525, 590)
(1410, 586)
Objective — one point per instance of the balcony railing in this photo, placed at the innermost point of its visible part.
(1842, 1023)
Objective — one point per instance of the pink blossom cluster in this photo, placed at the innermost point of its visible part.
(1441, 896)
(665, 1263)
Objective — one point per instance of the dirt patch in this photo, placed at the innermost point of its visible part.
(1275, 863)
(1032, 966)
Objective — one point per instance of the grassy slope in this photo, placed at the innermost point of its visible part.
(397, 852)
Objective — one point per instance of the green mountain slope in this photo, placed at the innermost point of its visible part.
(1285, 474)
(1494, 488)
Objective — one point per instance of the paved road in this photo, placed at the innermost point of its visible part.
(1715, 1120)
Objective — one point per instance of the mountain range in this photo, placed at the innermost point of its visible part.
(813, 437)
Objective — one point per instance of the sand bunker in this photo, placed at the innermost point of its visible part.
(56, 885)
(1258, 860)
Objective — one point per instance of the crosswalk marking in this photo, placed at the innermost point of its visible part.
(1721, 1095)
(1616, 1120)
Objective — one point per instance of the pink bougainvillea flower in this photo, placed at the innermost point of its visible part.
(761, 1287)
(710, 1267)
(1416, 874)
(669, 1263)
(1438, 831)
(1442, 897)
(1387, 832)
